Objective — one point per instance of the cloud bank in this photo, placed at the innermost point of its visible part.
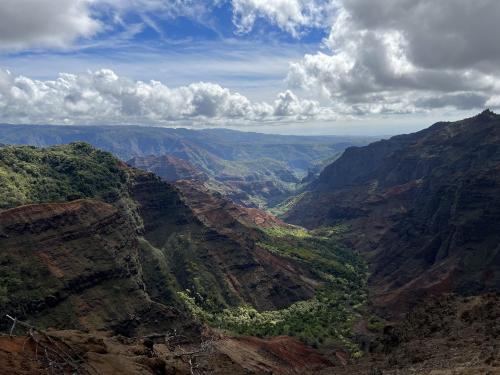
(45, 23)
(404, 56)
(379, 57)
(104, 97)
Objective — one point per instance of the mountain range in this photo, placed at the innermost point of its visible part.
(253, 169)
(144, 261)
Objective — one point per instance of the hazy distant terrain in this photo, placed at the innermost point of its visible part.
(254, 169)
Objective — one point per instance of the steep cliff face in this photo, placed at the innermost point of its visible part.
(424, 207)
(72, 265)
(208, 245)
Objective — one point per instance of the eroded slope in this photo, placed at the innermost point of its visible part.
(424, 207)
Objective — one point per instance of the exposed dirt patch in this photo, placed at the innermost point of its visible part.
(280, 355)
(105, 354)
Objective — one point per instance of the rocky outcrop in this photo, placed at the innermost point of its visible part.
(279, 355)
(217, 211)
(423, 207)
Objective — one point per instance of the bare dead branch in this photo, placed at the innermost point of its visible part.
(55, 357)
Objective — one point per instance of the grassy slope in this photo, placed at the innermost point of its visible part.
(55, 174)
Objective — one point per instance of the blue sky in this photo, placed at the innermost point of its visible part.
(177, 50)
(287, 66)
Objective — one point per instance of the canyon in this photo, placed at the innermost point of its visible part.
(385, 261)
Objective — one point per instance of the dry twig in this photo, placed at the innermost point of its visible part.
(55, 358)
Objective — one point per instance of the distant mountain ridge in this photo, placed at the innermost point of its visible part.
(168, 167)
(127, 142)
(424, 207)
(257, 170)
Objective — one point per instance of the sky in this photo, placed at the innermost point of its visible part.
(375, 67)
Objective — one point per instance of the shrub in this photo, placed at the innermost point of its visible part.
(325, 320)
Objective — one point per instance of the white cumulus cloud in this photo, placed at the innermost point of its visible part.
(104, 97)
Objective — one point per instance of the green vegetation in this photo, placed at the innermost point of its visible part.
(320, 250)
(182, 262)
(285, 206)
(23, 281)
(58, 173)
(325, 320)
